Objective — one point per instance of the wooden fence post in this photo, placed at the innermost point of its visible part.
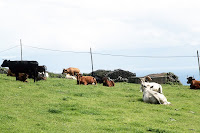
(91, 60)
(198, 61)
(21, 48)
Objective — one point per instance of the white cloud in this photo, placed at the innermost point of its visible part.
(107, 24)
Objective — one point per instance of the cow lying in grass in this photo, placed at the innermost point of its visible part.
(108, 82)
(194, 84)
(85, 80)
(68, 76)
(23, 77)
(150, 96)
(9, 73)
(153, 86)
(41, 76)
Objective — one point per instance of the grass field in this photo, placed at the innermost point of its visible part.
(59, 105)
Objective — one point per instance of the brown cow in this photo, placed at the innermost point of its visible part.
(10, 73)
(194, 84)
(23, 77)
(72, 71)
(85, 80)
(108, 82)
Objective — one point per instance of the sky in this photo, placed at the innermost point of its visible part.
(117, 27)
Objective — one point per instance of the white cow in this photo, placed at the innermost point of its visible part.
(153, 86)
(68, 76)
(150, 96)
(46, 74)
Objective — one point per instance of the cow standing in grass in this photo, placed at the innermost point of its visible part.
(28, 67)
(72, 71)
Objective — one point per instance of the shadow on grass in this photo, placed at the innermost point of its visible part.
(54, 111)
(156, 130)
(140, 99)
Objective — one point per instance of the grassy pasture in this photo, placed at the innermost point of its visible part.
(59, 105)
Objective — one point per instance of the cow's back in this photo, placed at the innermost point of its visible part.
(195, 84)
(72, 69)
(86, 80)
(23, 66)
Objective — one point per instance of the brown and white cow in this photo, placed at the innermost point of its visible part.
(108, 82)
(194, 84)
(71, 70)
(85, 80)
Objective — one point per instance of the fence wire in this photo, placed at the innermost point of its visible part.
(104, 54)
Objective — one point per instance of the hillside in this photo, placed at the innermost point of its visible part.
(59, 105)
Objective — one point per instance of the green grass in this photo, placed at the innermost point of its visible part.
(59, 105)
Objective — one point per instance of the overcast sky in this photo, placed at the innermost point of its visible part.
(130, 27)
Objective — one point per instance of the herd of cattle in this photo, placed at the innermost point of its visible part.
(152, 92)
(71, 72)
(25, 69)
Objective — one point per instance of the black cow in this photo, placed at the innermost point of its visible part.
(42, 68)
(28, 67)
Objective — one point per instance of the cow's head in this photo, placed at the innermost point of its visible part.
(5, 63)
(147, 78)
(78, 75)
(64, 71)
(190, 80)
(146, 87)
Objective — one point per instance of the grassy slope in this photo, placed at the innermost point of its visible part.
(59, 105)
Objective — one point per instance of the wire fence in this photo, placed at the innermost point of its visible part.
(9, 49)
(57, 65)
(107, 54)
(104, 54)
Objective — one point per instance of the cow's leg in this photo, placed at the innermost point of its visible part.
(78, 82)
(17, 76)
(35, 75)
